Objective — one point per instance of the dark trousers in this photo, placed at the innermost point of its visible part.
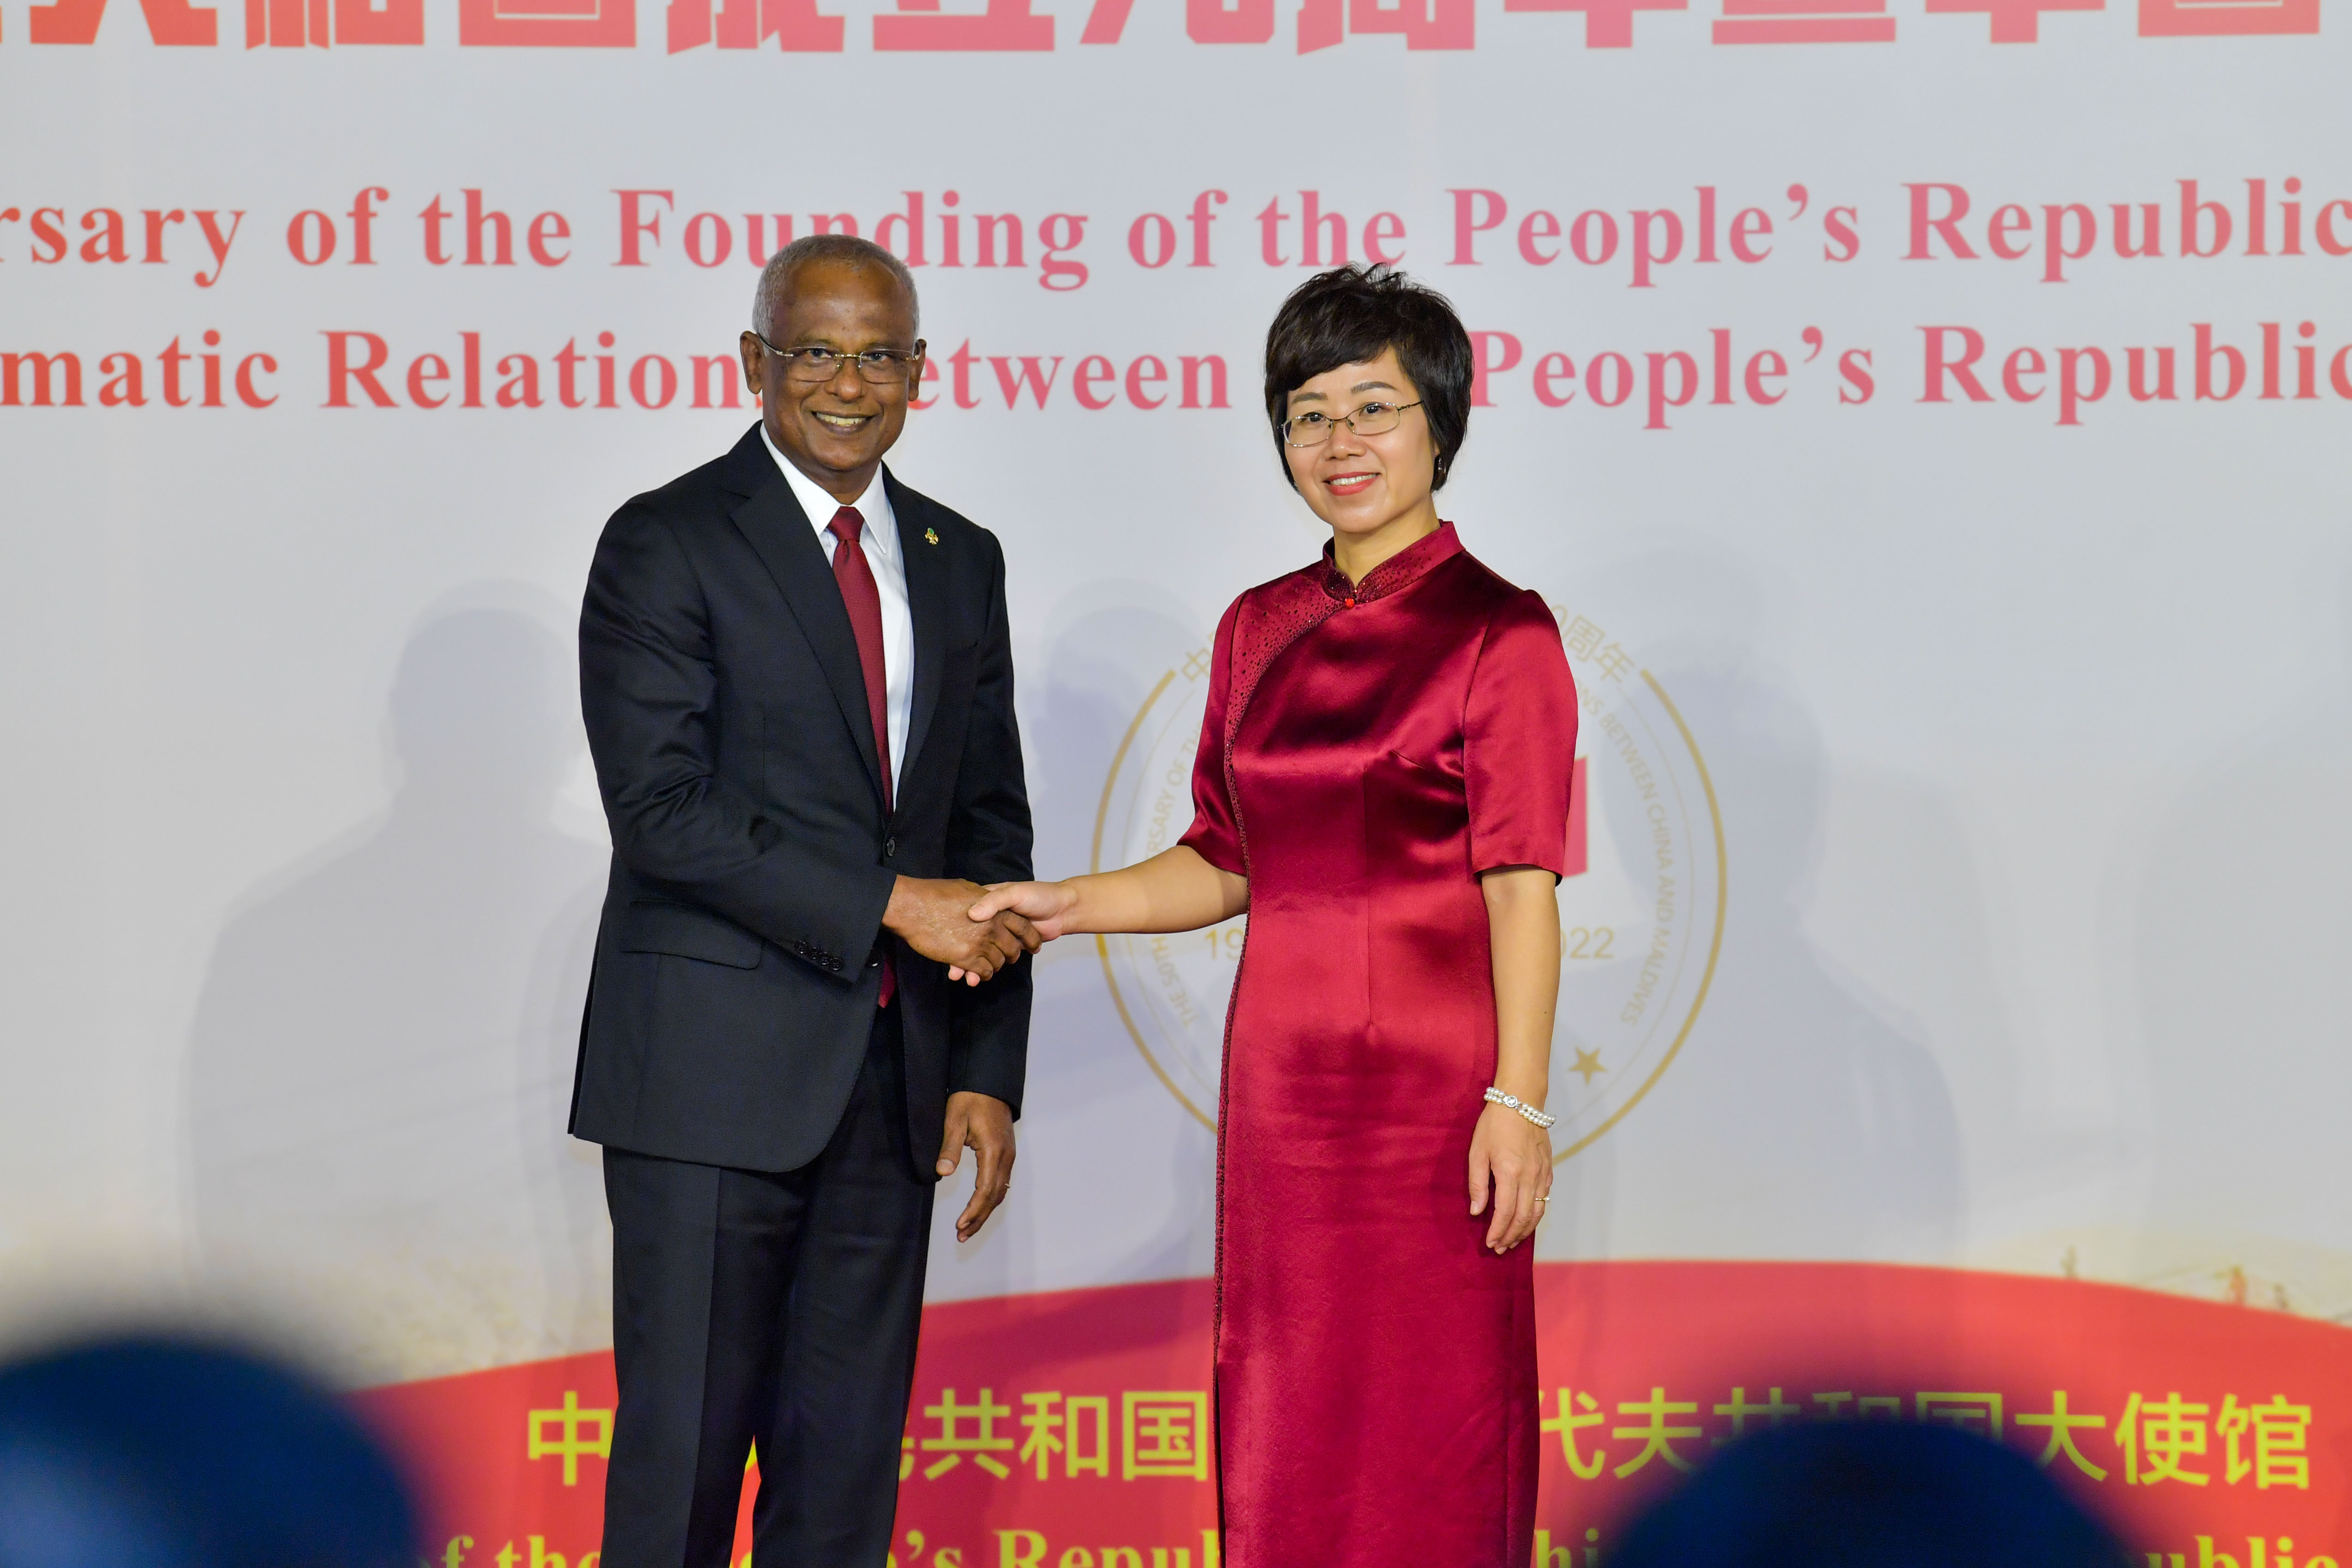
(780, 1310)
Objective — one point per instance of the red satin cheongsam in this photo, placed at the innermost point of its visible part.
(1369, 751)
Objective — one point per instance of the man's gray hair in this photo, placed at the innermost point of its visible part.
(776, 278)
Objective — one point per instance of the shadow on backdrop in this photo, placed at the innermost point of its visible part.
(382, 1052)
(157, 1452)
(1855, 1146)
(1843, 1122)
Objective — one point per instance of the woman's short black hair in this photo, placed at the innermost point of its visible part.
(1351, 314)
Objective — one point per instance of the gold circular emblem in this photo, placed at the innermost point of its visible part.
(1641, 909)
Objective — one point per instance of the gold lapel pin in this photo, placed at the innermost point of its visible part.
(930, 536)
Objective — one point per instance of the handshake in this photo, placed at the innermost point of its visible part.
(976, 931)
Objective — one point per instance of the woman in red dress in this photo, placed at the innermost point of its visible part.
(1382, 784)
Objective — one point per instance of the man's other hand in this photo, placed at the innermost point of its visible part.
(983, 1125)
(930, 915)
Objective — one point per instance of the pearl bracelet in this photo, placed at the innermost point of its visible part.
(1513, 1103)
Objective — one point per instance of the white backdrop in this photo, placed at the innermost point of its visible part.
(2029, 739)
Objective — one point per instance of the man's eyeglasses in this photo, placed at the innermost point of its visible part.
(812, 364)
(1371, 419)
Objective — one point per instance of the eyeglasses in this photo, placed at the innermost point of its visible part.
(1371, 419)
(814, 364)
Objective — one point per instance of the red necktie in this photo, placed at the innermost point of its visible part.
(863, 600)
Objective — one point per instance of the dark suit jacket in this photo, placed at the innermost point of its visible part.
(739, 959)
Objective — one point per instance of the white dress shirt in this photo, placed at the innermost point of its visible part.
(880, 541)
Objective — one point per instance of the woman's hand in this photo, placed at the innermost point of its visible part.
(1042, 904)
(1509, 1153)
(1174, 890)
(1510, 1174)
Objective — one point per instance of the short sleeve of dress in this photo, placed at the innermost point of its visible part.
(1520, 741)
(1215, 833)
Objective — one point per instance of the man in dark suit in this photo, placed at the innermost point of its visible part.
(798, 685)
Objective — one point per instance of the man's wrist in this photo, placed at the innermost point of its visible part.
(900, 912)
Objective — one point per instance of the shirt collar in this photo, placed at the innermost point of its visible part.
(874, 506)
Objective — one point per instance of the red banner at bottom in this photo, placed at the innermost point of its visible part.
(1072, 1429)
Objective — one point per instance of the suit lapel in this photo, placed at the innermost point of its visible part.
(927, 601)
(771, 518)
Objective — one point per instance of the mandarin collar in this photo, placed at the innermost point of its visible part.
(1400, 571)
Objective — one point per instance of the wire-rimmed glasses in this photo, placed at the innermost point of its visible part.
(1312, 429)
(814, 364)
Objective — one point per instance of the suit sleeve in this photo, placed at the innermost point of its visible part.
(1215, 833)
(1520, 741)
(989, 840)
(648, 691)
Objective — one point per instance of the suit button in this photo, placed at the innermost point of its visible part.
(890, 849)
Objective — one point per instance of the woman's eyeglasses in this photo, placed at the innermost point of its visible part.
(1371, 419)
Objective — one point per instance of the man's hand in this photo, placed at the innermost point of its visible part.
(929, 914)
(983, 1125)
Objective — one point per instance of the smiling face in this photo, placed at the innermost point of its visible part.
(836, 431)
(1371, 489)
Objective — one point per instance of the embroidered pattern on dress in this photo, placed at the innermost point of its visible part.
(1403, 569)
(1270, 621)
(1273, 617)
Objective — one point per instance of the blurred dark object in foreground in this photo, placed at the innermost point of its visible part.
(1868, 1494)
(157, 1452)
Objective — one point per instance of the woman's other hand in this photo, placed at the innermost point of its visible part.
(1509, 1153)
(1042, 904)
(1510, 1176)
